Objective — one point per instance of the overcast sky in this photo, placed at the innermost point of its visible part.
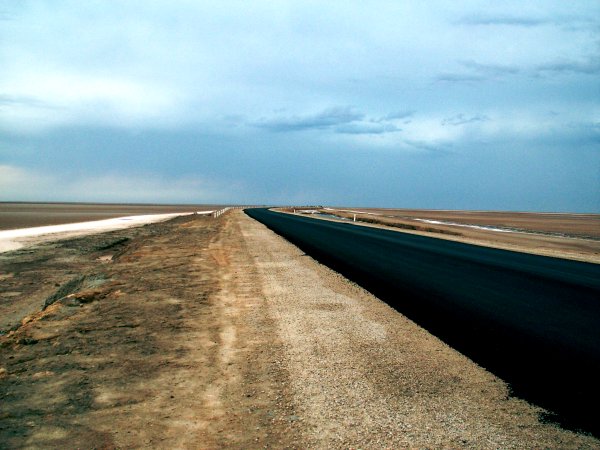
(448, 104)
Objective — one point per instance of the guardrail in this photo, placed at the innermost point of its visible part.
(220, 212)
(224, 210)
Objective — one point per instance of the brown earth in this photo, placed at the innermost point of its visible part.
(216, 333)
(25, 215)
(172, 350)
(568, 224)
(570, 236)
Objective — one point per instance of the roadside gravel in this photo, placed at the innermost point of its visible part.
(363, 375)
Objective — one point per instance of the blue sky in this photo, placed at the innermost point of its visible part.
(438, 104)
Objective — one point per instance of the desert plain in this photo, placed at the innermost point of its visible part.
(15, 215)
(202, 332)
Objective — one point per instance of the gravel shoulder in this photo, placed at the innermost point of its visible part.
(217, 333)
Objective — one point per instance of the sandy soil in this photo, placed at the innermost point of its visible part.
(542, 236)
(216, 333)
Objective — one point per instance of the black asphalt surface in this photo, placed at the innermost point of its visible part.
(534, 321)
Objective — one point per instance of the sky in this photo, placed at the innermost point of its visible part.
(406, 104)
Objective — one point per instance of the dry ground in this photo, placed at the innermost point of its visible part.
(575, 225)
(213, 333)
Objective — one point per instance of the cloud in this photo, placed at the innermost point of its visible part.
(459, 78)
(438, 148)
(398, 115)
(461, 119)
(491, 70)
(457, 131)
(580, 134)
(39, 100)
(341, 120)
(17, 183)
(478, 72)
(11, 100)
(367, 128)
(565, 20)
(325, 119)
(23, 184)
(591, 67)
(519, 21)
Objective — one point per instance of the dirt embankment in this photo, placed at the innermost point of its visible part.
(216, 333)
(159, 340)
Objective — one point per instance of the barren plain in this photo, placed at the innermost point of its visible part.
(213, 333)
(24, 214)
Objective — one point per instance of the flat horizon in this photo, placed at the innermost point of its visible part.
(272, 205)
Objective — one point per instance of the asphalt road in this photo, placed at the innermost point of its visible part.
(534, 321)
